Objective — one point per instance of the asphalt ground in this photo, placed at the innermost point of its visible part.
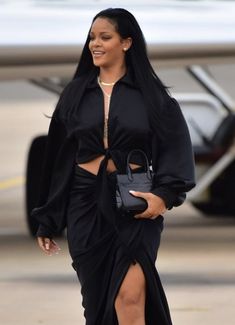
(196, 259)
(195, 262)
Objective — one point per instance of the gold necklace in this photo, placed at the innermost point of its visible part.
(105, 93)
(106, 83)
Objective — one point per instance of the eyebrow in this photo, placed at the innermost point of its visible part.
(101, 32)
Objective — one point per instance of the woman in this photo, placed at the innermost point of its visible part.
(114, 103)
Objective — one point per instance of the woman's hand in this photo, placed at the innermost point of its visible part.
(156, 205)
(49, 246)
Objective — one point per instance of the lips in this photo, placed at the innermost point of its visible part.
(98, 54)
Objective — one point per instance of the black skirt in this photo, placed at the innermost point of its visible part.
(102, 252)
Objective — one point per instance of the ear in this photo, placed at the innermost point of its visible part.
(126, 43)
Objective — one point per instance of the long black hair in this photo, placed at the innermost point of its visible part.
(136, 57)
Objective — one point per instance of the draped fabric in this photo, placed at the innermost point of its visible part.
(103, 243)
(102, 252)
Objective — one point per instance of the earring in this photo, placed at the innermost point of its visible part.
(125, 49)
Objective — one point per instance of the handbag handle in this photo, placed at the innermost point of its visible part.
(128, 169)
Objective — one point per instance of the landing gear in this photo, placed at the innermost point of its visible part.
(222, 195)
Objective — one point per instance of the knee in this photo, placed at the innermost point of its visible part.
(127, 299)
(130, 300)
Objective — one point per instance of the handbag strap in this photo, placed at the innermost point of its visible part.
(128, 168)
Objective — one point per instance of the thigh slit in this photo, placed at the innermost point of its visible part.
(128, 274)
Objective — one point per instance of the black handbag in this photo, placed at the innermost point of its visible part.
(140, 181)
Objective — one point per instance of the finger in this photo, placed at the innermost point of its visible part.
(41, 243)
(54, 248)
(146, 214)
(51, 246)
(144, 195)
(47, 243)
(54, 244)
(154, 217)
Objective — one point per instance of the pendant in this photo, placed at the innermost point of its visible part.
(106, 128)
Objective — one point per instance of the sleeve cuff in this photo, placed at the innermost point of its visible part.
(44, 232)
(169, 197)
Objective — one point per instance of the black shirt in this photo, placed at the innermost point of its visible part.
(78, 138)
(128, 123)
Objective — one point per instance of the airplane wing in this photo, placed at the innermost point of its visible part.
(45, 40)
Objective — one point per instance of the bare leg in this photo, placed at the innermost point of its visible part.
(130, 301)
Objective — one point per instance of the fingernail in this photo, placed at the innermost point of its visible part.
(130, 191)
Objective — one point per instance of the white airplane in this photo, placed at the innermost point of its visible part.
(41, 42)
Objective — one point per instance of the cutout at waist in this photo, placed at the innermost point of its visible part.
(93, 165)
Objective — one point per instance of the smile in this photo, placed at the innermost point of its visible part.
(97, 53)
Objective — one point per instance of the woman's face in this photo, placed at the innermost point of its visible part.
(106, 45)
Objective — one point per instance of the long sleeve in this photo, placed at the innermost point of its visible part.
(50, 209)
(56, 136)
(172, 157)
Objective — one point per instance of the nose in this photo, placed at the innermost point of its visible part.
(96, 42)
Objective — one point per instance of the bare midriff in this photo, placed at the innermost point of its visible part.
(93, 165)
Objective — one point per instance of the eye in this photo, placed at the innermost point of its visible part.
(106, 37)
(102, 37)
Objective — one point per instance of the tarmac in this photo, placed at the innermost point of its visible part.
(195, 262)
